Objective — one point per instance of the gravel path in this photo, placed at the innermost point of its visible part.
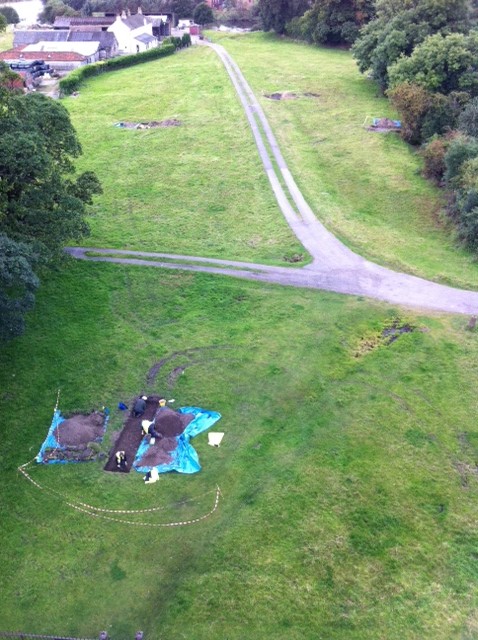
(334, 266)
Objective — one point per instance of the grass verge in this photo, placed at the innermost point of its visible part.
(365, 187)
(196, 189)
(348, 468)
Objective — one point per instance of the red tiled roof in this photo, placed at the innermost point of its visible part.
(59, 56)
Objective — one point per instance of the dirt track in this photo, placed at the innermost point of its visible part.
(334, 267)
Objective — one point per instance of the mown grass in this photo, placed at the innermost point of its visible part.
(348, 468)
(365, 187)
(198, 188)
(6, 40)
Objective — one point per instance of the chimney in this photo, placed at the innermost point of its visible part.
(123, 15)
(140, 11)
(128, 12)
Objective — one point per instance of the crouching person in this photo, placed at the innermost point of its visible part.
(121, 460)
(152, 476)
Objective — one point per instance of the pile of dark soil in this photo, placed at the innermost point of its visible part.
(169, 423)
(159, 452)
(153, 124)
(80, 429)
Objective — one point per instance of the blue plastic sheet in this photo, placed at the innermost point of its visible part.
(52, 443)
(184, 458)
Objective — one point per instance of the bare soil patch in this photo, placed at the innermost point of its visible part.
(79, 437)
(152, 124)
(80, 429)
(290, 95)
(168, 423)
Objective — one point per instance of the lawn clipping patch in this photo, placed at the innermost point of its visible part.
(73, 439)
(153, 124)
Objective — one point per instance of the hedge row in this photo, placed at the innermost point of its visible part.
(73, 80)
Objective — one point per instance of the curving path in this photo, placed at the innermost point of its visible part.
(334, 267)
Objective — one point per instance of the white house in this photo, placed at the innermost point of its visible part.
(133, 33)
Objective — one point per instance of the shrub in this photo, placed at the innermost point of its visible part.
(186, 40)
(74, 80)
(433, 155)
(468, 119)
(10, 15)
(203, 14)
(460, 150)
(412, 103)
(440, 116)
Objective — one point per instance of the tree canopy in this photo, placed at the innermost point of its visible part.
(400, 26)
(10, 15)
(275, 14)
(42, 202)
(442, 64)
(203, 14)
(332, 21)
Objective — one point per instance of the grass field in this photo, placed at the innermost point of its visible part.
(198, 188)
(6, 40)
(365, 187)
(348, 467)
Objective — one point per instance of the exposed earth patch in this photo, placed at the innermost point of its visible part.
(153, 124)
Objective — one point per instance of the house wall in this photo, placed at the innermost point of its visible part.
(126, 37)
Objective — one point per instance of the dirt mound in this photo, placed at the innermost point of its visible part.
(159, 453)
(170, 423)
(80, 429)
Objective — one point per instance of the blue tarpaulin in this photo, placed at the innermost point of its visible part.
(184, 458)
(52, 443)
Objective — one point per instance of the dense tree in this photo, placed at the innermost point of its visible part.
(10, 15)
(183, 8)
(442, 64)
(424, 114)
(3, 23)
(332, 21)
(203, 14)
(275, 14)
(468, 119)
(400, 26)
(54, 8)
(461, 161)
(18, 283)
(42, 203)
(9, 80)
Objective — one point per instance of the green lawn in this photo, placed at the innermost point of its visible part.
(348, 470)
(198, 188)
(365, 187)
(348, 467)
(6, 40)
